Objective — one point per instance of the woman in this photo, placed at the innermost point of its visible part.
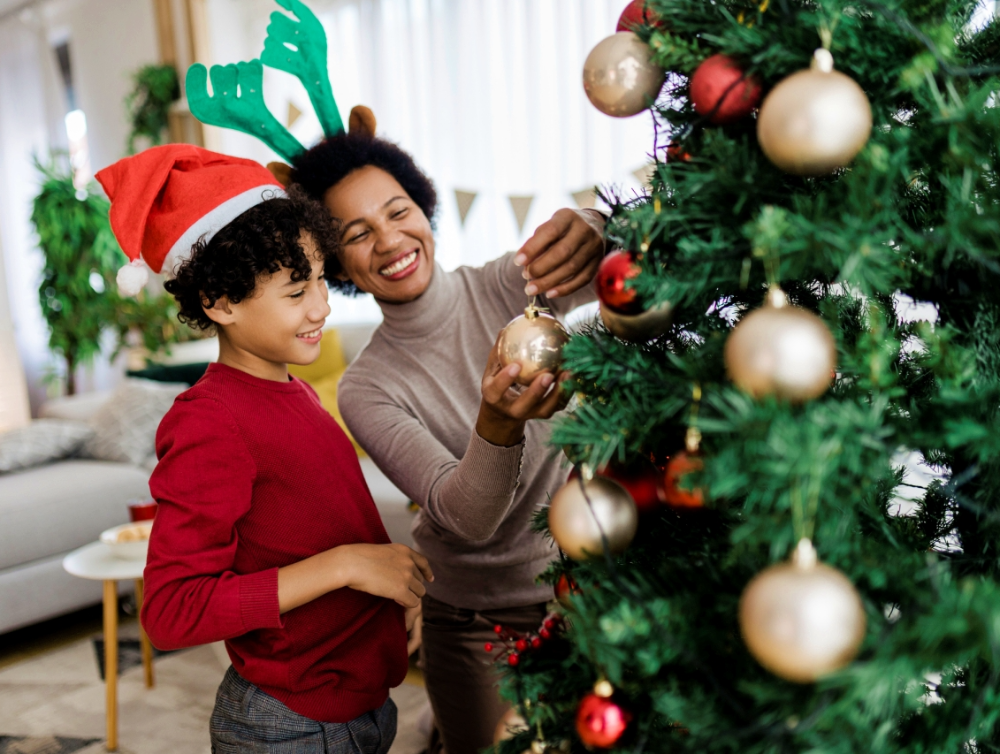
(458, 441)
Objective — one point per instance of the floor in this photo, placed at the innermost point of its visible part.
(52, 695)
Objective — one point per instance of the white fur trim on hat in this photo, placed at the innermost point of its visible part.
(214, 221)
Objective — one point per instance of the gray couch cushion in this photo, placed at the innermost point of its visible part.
(42, 441)
(55, 508)
(125, 425)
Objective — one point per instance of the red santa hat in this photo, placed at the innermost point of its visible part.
(165, 199)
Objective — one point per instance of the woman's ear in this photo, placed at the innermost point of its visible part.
(362, 121)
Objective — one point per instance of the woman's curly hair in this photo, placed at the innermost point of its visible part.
(255, 245)
(329, 162)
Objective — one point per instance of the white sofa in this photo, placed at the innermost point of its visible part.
(48, 511)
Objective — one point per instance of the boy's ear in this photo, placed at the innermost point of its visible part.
(221, 312)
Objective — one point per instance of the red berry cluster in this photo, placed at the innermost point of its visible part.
(513, 645)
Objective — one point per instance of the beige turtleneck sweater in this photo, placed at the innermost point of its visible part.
(411, 400)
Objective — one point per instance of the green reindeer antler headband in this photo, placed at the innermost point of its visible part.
(298, 47)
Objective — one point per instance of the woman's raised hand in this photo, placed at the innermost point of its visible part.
(504, 411)
(564, 253)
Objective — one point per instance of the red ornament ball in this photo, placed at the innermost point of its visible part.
(513, 659)
(636, 14)
(679, 466)
(536, 642)
(498, 629)
(720, 78)
(564, 588)
(615, 269)
(545, 633)
(600, 722)
(520, 645)
(677, 153)
(642, 482)
(488, 646)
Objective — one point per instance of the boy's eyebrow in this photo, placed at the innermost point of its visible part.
(361, 220)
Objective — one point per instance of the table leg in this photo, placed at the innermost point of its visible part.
(147, 648)
(111, 660)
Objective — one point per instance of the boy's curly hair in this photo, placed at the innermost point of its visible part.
(326, 164)
(256, 244)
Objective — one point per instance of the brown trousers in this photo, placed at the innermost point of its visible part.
(461, 676)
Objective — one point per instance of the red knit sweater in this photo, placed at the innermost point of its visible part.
(254, 475)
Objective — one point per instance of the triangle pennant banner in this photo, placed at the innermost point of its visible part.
(293, 114)
(521, 205)
(464, 200)
(645, 174)
(585, 198)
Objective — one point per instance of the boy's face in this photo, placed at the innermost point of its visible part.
(387, 240)
(279, 324)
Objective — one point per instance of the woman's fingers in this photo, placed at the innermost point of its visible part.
(544, 236)
(523, 407)
(554, 401)
(575, 283)
(566, 255)
(495, 388)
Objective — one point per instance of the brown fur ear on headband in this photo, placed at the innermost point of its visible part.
(362, 121)
(281, 172)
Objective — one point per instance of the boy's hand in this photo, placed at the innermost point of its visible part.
(392, 571)
(414, 629)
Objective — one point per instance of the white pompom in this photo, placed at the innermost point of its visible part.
(132, 278)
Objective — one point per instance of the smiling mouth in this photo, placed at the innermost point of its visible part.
(394, 268)
(310, 335)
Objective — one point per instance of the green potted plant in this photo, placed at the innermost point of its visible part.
(156, 89)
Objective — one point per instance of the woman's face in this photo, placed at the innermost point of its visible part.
(388, 245)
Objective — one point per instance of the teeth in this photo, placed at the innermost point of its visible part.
(399, 266)
(307, 335)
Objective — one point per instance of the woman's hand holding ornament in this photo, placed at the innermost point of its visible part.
(563, 254)
(504, 411)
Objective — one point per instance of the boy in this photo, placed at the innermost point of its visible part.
(266, 534)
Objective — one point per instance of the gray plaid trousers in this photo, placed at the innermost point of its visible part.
(248, 721)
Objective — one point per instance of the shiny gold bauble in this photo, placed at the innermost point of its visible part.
(815, 121)
(781, 350)
(535, 341)
(638, 328)
(509, 726)
(619, 78)
(577, 525)
(802, 619)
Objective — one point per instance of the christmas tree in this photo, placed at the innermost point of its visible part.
(822, 573)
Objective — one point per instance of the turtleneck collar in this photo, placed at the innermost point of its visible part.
(425, 314)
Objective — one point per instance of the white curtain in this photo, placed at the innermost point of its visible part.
(486, 94)
(30, 121)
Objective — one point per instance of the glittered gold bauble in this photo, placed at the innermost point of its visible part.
(815, 121)
(582, 510)
(509, 726)
(802, 619)
(535, 341)
(619, 78)
(781, 350)
(638, 328)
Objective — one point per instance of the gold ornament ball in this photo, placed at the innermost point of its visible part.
(815, 121)
(802, 620)
(638, 328)
(509, 726)
(781, 350)
(535, 341)
(619, 78)
(576, 525)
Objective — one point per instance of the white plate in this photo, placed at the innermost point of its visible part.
(133, 549)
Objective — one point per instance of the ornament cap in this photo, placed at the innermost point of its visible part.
(822, 61)
(804, 556)
(692, 440)
(603, 688)
(776, 297)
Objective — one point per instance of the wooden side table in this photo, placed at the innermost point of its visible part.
(97, 562)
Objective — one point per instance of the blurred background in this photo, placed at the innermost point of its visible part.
(486, 94)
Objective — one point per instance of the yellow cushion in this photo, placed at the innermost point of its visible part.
(324, 374)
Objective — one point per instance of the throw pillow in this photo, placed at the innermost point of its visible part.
(41, 441)
(125, 426)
